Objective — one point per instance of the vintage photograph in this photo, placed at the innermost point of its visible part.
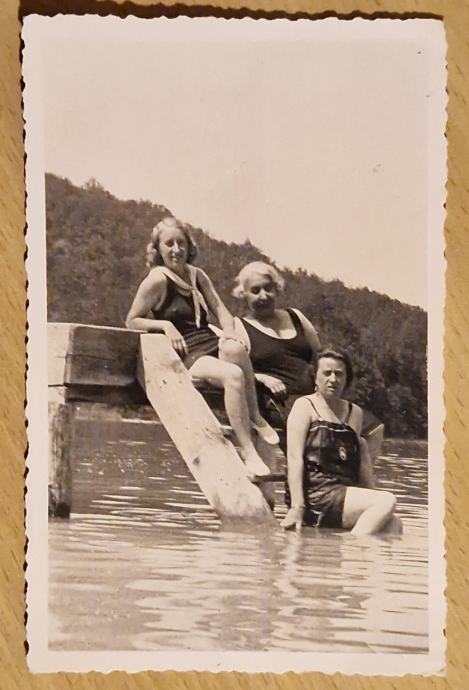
(234, 396)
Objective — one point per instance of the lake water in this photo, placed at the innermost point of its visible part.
(144, 563)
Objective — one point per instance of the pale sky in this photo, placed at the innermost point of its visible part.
(315, 150)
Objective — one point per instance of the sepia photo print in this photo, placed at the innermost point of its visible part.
(234, 395)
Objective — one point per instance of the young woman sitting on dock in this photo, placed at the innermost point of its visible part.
(174, 299)
(282, 343)
(330, 476)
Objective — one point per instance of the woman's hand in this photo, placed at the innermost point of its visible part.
(294, 518)
(175, 338)
(275, 385)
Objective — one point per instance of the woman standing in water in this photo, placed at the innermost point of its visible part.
(330, 477)
(282, 343)
(175, 299)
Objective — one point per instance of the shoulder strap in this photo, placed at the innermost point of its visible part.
(308, 398)
(296, 320)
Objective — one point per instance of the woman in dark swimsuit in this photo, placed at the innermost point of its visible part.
(282, 343)
(178, 297)
(330, 477)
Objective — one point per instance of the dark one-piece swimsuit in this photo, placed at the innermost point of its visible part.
(288, 359)
(331, 463)
(179, 309)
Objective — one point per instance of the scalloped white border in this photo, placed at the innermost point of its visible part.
(36, 30)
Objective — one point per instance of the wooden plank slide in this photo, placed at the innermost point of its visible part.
(196, 433)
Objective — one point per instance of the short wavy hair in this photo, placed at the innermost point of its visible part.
(260, 268)
(342, 356)
(153, 256)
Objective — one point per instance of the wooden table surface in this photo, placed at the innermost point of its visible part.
(13, 671)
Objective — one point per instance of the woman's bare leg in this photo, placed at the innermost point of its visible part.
(233, 352)
(367, 511)
(394, 526)
(230, 377)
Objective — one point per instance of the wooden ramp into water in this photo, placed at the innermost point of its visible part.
(92, 364)
(196, 433)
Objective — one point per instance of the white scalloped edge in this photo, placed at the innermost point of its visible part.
(40, 659)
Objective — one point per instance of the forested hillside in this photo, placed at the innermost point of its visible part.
(96, 258)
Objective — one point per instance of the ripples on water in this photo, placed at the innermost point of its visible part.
(144, 563)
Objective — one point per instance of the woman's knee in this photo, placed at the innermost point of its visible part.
(233, 376)
(387, 502)
(231, 350)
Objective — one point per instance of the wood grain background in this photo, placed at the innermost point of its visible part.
(13, 671)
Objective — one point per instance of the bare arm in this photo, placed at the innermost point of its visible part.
(298, 425)
(366, 477)
(356, 419)
(216, 306)
(310, 331)
(151, 292)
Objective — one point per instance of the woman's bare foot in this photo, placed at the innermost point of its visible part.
(254, 465)
(265, 431)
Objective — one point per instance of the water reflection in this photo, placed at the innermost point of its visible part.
(144, 563)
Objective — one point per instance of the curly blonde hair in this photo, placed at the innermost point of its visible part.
(153, 256)
(259, 268)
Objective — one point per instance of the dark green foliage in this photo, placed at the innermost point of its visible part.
(96, 259)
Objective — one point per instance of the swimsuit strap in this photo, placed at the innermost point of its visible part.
(296, 321)
(320, 418)
(314, 408)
